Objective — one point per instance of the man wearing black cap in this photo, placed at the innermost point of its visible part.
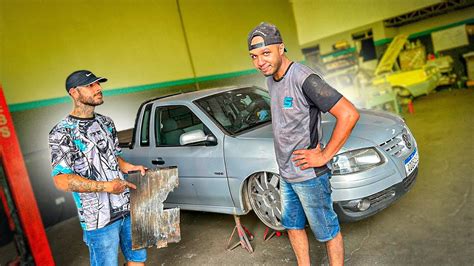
(298, 96)
(85, 159)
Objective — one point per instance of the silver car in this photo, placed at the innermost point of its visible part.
(221, 140)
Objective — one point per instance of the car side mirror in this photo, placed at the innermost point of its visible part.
(211, 140)
(197, 137)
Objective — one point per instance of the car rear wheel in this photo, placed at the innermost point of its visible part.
(264, 194)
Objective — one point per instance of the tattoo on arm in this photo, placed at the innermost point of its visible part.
(79, 184)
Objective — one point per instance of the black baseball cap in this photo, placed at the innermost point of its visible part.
(269, 33)
(82, 78)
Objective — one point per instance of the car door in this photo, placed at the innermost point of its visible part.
(201, 168)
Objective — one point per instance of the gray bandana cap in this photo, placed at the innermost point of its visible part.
(269, 33)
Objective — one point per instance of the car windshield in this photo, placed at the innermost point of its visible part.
(238, 110)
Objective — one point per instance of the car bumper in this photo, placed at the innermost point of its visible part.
(379, 200)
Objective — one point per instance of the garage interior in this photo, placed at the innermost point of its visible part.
(153, 48)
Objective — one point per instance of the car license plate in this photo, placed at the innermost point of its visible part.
(411, 162)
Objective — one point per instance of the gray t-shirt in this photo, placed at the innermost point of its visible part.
(298, 99)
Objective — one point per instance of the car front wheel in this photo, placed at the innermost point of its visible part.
(264, 194)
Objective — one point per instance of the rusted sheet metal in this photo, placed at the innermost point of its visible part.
(151, 225)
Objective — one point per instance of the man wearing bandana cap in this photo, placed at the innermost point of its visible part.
(298, 97)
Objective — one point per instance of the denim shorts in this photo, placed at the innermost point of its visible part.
(310, 201)
(103, 243)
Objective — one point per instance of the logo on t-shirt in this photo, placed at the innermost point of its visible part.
(288, 103)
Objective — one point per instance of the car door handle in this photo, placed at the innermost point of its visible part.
(158, 161)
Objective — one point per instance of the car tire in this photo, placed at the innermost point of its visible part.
(264, 195)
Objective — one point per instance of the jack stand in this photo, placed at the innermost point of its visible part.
(269, 233)
(244, 236)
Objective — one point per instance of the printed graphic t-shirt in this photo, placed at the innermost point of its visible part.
(298, 99)
(89, 147)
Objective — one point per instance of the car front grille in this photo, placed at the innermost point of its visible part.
(389, 193)
(409, 180)
(381, 196)
(399, 145)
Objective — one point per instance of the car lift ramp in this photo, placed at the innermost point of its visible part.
(19, 195)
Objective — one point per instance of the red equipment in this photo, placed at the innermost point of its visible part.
(18, 187)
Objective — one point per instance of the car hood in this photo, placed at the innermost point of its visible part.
(373, 128)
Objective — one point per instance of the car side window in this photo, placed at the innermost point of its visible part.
(145, 128)
(172, 121)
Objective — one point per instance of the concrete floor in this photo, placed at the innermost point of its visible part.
(431, 225)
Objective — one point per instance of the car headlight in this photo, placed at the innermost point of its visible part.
(356, 161)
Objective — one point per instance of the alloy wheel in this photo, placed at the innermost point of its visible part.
(264, 194)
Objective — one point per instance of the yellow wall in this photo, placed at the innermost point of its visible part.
(317, 19)
(1, 41)
(218, 29)
(131, 42)
(125, 41)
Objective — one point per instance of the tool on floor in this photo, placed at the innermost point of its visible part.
(244, 236)
(269, 233)
(411, 108)
(19, 195)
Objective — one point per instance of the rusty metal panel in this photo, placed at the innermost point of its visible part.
(151, 225)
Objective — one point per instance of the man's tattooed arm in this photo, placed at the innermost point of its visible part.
(75, 183)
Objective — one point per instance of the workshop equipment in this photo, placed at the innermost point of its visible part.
(413, 57)
(410, 83)
(244, 236)
(6, 224)
(469, 57)
(269, 233)
(23, 209)
(445, 66)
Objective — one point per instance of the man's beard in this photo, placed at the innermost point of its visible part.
(90, 100)
(275, 67)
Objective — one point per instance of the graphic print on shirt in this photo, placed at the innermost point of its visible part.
(288, 103)
(89, 148)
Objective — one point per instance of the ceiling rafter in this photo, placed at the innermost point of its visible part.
(427, 12)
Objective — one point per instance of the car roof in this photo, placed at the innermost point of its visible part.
(193, 95)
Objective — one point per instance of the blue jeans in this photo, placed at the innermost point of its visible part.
(310, 201)
(103, 243)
